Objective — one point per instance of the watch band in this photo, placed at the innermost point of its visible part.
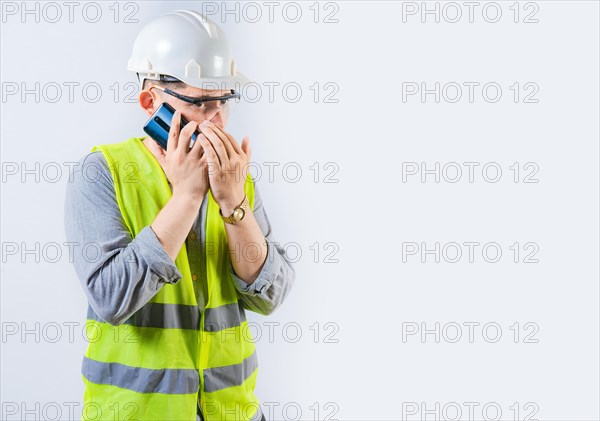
(238, 212)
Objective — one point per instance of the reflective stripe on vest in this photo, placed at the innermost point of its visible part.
(180, 316)
(154, 365)
(169, 380)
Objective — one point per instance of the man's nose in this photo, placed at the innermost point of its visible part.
(217, 119)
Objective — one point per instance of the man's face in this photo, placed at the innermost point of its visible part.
(214, 111)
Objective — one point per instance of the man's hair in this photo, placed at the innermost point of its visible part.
(164, 84)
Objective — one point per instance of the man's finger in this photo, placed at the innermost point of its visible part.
(226, 139)
(217, 144)
(234, 143)
(209, 151)
(185, 137)
(197, 150)
(173, 139)
(157, 150)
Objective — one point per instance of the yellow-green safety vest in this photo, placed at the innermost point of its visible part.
(154, 365)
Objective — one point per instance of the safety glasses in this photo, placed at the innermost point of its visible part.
(207, 107)
(199, 101)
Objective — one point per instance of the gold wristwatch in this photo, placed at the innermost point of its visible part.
(238, 212)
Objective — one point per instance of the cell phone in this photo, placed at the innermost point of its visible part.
(159, 124)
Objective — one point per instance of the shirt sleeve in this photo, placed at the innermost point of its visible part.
(276, 278)
(119, 274)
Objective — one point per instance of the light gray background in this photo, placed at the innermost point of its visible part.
(363, 369)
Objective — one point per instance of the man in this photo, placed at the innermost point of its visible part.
(181, 242)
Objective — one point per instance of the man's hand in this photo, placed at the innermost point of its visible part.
(227, 165)
(185, 168)
(227, 172)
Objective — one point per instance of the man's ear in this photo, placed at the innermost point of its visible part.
(149, 101)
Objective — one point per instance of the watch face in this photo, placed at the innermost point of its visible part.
(239, 213)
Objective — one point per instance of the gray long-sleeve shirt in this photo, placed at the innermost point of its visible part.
(120, 274)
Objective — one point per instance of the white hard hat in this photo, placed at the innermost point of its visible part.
(188, 46)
